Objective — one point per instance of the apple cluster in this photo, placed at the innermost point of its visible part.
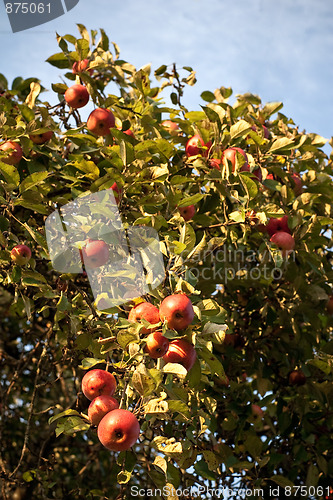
(117, 429)
(177, 311)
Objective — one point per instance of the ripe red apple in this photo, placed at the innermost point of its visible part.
(77, 96)
(187, 212)
(195, 145)
(257, 411)
(157, 345)
(117, 191)
(118, 430)
(284, 241)
(278, 224)
(177, 310)
(296, 183)
(80, 66)
(182, 352)
(98, 383)
(230, 155)
(215, 163)
(14, 150)
(297, 377)
(100, 406)
(20, 254)
(95, 253)
(171, 127)
(100, 121)
(329, 305)
(146, 311)
(41, 138)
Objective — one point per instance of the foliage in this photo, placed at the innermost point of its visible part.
(196, 430)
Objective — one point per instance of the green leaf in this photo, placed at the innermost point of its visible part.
(214, 364)
(82, 48)
(207, 96)
(282, 145)
(65, 413)
(190, 200)
(10, 173)
(239, 129)
(271, 108)
(59, 60)
(37, 237)
(187, 236)
(195, 116)
(126, 337)
(32, 180)
(88, 363)
(59, 88)
(282, 481)
(202, 469)
(249, 184)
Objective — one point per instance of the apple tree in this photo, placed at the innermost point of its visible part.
(241, 200)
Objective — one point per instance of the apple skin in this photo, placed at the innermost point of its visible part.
(81, 66)
(297, 377)
(215, 163)
(100, 121)
(296, 183)
(100, 406)
(95, 254)
(117, 192)
(98, 383)
(278, 224)
(329, 305)
(230, 154)
(284, 241)
(41, 138)
(257, 411)
(182, 352)
(77, 96)
(147, 311)
(15, 154)
(157, 345)
(177, 310)
(187, 212)
(20, 254)
(118, 430)
(194, 146)
(171, 127)
(129, 132)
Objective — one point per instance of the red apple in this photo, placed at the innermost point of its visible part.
(100, 406)
(118, 430)
(182, 352)
(14, 150)
(171, 127)
(20, 254)
(195, 145)
(100, 121)
(95, 253)
(297, 377)
(146, 311)
(77, 96)
(41, 138)
(296, 183)
(284, 241)
(157, 345)
(177, 311)
(117, 191)
(98, 383)
(187, 212)
(230, 155)
(278, 224)
(80, 66)
(257, 411)
(215, 163)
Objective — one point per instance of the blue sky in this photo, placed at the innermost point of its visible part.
(281, 50)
